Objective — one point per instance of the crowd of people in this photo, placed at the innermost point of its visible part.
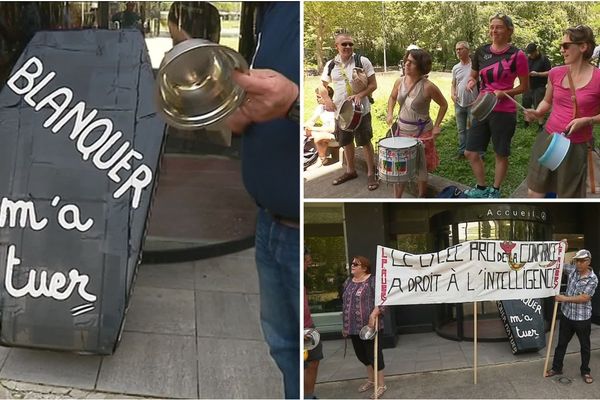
(569, 93)
(359, 311)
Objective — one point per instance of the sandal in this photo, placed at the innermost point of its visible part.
(380, 391)
(552, 372)
(366, 386)
(587, 378)
(345, 178)
(372, 182)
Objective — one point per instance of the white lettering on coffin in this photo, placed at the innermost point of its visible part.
(58, 286)
(59, 101)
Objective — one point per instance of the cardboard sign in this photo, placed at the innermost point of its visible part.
(479, 270)
(524, 324)
(80, 143)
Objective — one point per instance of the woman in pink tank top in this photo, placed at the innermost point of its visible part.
(576, 118)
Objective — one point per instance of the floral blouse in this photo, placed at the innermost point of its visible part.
(358, 303)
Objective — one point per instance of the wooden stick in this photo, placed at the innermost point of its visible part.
(475, 343)
(376, 353)
(549, 345)
(516, 102)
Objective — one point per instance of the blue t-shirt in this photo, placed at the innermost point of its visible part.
(271, 150)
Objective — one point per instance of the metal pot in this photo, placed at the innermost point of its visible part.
(194, 82)
(483, 105)
(311, 338)
(555, 153)
(367, 333)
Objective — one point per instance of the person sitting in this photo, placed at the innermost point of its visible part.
(322, 134)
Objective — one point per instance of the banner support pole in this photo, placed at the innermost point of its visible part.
(549, 345)
(376, 357)
(475, 343)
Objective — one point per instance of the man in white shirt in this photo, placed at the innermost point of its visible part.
(341, 78)
(461, 97)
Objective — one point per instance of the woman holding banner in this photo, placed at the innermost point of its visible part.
(358, 311)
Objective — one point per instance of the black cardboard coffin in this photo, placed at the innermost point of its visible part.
(77, 175)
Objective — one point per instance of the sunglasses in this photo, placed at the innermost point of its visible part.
(355, 264)
(461, 48)
(565, 45)
(347, 44)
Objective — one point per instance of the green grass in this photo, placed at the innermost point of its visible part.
(232, 42)
(447, 143)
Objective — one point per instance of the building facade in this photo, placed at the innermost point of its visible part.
(336, 232)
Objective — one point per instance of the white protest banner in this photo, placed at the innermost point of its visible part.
(480, 270)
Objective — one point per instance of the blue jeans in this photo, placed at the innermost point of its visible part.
(278, 264)
(462, 116)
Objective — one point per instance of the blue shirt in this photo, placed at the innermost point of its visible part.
(579, 285)
(271, 150)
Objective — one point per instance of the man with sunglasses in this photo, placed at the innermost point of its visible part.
(341, 77)
(576, 313)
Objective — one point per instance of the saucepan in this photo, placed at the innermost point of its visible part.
(367, 333)
(311, 338)
(556, 150)
(483, 105)
(194, 83)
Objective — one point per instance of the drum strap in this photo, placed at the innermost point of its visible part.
(343, 72)
(573, 95)
(421, 124)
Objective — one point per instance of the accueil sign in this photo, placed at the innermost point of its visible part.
(482, 270)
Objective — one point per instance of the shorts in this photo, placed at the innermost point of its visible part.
(568, 180)
(319, 136)
(499, 126)
(361, 135)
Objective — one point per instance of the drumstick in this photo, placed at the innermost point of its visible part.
(516, 102)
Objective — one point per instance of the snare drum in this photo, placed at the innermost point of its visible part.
(398, 159)
(350, 115)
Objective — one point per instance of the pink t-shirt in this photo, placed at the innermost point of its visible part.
(499, 70)
(588, 103)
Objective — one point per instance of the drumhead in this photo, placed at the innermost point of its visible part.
(398, 142)
(346, 113)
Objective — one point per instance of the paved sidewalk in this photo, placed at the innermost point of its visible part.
(192, 331)
(428, 366)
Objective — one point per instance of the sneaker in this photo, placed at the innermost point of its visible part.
(476, 193)
(493, 193)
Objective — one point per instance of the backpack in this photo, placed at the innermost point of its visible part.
(357, 64)
(451, 192)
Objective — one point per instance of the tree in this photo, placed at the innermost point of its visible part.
(437, 26)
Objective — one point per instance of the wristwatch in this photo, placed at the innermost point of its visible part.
(293, 113)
